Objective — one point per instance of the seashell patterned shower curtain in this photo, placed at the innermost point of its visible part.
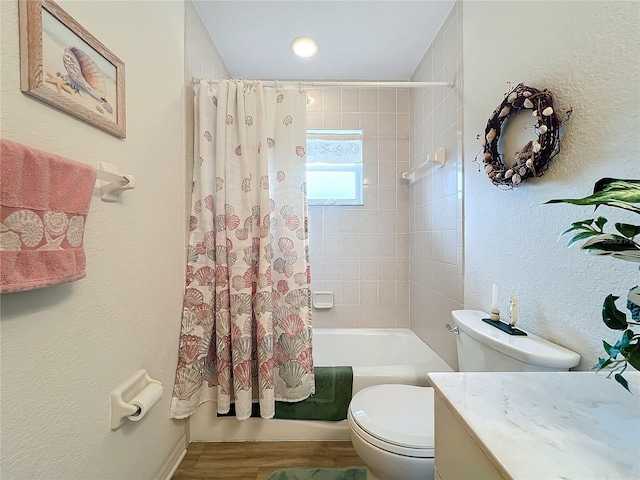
(246, 325)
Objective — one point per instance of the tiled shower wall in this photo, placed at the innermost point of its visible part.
(361, 253)
(202, 60)
(436, 233)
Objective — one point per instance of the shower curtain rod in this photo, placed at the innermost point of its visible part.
(323, 83)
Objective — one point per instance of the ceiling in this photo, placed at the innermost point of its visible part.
(363, 40)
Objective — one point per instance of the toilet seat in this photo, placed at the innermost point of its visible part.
(395, 418)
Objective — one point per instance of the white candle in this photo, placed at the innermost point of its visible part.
(494, 297)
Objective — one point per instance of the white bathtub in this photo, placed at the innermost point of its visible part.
(377, 356)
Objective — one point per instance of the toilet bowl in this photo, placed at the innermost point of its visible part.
(391, 429)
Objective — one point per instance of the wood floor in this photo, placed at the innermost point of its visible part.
(257, 460)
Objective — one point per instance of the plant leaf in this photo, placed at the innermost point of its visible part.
(612, 317)
(628, 230)
(581, 236)
(615, 245)
(602, 363)
(583, 225)
(607, 348)
(610, 191)
(634, 358)
(600, 222)
(621, 380)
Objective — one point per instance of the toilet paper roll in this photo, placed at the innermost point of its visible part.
(146, 399)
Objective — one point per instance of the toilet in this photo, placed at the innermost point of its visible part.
(392, 426)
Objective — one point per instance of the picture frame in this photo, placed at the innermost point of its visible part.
(63, 65)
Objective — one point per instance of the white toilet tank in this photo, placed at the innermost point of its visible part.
(484, 348)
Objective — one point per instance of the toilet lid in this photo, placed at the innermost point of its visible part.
(396, 414)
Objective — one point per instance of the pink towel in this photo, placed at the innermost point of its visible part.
(43, 206)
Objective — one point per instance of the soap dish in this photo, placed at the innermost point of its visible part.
(322, 300)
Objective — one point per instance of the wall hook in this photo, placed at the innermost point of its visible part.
(112, 183)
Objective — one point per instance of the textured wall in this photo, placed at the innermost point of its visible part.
(361, 253)
(65, 348)
(588, 55)
(436, 196)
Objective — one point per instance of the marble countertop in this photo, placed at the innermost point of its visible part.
(561, 425)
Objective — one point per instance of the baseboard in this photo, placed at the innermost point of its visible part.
(173, 460)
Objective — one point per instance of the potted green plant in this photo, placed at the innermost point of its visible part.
(620, 244)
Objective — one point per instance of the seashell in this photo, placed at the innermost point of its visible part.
(242, 376)
(536, 147)
(487, 157)
(207, 136)
(55, 222)
(205, 275)
(292, 222)
(271, 142)
(292, 325)
(528, 103)
(488, 169)
(516, 179)
(29, 225)
(285, 244)
(526, 93)
(10, 241)
(248, 121)
(291, 258)
(298, 298)
(85, 74)
(288, 120)
(491, 135)
(279, 98)
(498, 175)
(492, 175)
(189, 348)
(192, 254)
(547, 112)
(241, 350)
(484, 142)
(228, 120)
(193, 297)
(505, 111)
(238, 150)
(529, 164)
(300, 151)
(280, 176)
(264, 182)
(306, 360)
(265, 376)
(75, 230)
(188, 381)
(291, 373)
(522, 171)
(512, 96)
(292, 346)
(493, 115)
(543, 129)
(208, 202)
(534, 113)
(246, 184)
(508, 173)
(240, 304)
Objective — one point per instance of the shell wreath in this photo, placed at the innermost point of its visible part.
(534, 158)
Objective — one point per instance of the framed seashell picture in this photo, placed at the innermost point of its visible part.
(63, 65)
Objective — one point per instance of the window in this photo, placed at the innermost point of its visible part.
(334, 167)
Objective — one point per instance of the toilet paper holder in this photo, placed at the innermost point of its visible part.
(133, 398)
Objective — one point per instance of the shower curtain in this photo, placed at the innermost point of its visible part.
(246, 325)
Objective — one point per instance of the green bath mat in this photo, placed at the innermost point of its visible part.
(320, 474)
(330, 402)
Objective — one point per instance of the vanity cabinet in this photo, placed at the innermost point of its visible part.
(458, 456)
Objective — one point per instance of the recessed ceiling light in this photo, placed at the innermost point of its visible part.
(304, 46)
